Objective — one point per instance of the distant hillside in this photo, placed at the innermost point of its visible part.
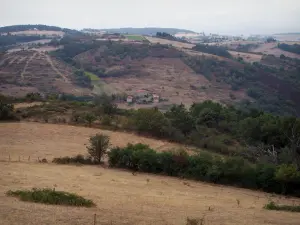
(16, 28)
(292, 33)
(23, 72)
(142, 31)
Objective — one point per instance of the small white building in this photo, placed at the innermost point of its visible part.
(155, 98)
(129, 99)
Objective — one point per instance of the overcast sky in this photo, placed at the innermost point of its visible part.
(218, 16)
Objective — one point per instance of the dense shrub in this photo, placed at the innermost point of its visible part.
(6, 111)
(50, 196)
(295, 48)
(205, 167)
(79, 159)
(289, 208)
(211, 49)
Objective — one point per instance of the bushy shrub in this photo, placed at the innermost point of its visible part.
(6, 111)
(205, 167)
(50, 196)
(290, 208)
(79, 159)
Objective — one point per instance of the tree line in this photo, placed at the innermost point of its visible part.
(212, 49)
(236, 171)
(282, 179)
(213, 126)
(295, 48)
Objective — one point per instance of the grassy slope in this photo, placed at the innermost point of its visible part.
(100, 87)
(123, 199)
(135, 37)
(52, 140)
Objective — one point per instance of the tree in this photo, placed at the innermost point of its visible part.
(151, 121)
(89, 118)
(98, 146)
(291, 130)
(180, 118)
(106, 103)
(6, 111)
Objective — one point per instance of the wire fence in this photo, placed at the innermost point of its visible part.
(23, 158)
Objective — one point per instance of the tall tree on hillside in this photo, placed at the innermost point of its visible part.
(98, 146)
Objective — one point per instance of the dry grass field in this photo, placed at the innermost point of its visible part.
(272, 49)
(39, 32)
(121, 198)
(26, 104)
(26, 139)
(247, 57)
(124, 199)
(176, 44)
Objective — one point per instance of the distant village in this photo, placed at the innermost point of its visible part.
(143, 97)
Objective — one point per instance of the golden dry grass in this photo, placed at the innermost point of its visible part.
(176, 44)
(122, 198)
(26, 104)
(272, 49)
(247, 57)
(39, 32)
(37, 140)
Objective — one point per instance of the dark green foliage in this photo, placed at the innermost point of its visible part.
(180, 118)
(289, 208)
(89, 118)
(79, 159)
(98, 146)
(6, 111)
(50, 196)
(168, 36)
(8, 40)
(205, 167)
(150, 121)
(270, 39)
(295, 48)
(16, 28)
(212, 49)
(106, 104)
(82, 80)
(246, 47)
(33, 97)
(254, 92)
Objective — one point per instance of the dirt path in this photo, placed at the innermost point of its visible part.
(26, 65)
(55, 69)
(13, 60)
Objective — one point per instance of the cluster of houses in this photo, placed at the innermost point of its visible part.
(143, 97)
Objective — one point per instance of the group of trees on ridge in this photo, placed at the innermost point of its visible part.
(16, 28)
(252, 134)
(212, 49)
(8, 40)
(295, 48)
(268, 146)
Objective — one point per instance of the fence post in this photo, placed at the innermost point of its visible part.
(28, 158)
(95, 217)
(9, 157)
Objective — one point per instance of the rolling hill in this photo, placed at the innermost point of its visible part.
(141, 31)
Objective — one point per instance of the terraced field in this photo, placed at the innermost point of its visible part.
(32, 71)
